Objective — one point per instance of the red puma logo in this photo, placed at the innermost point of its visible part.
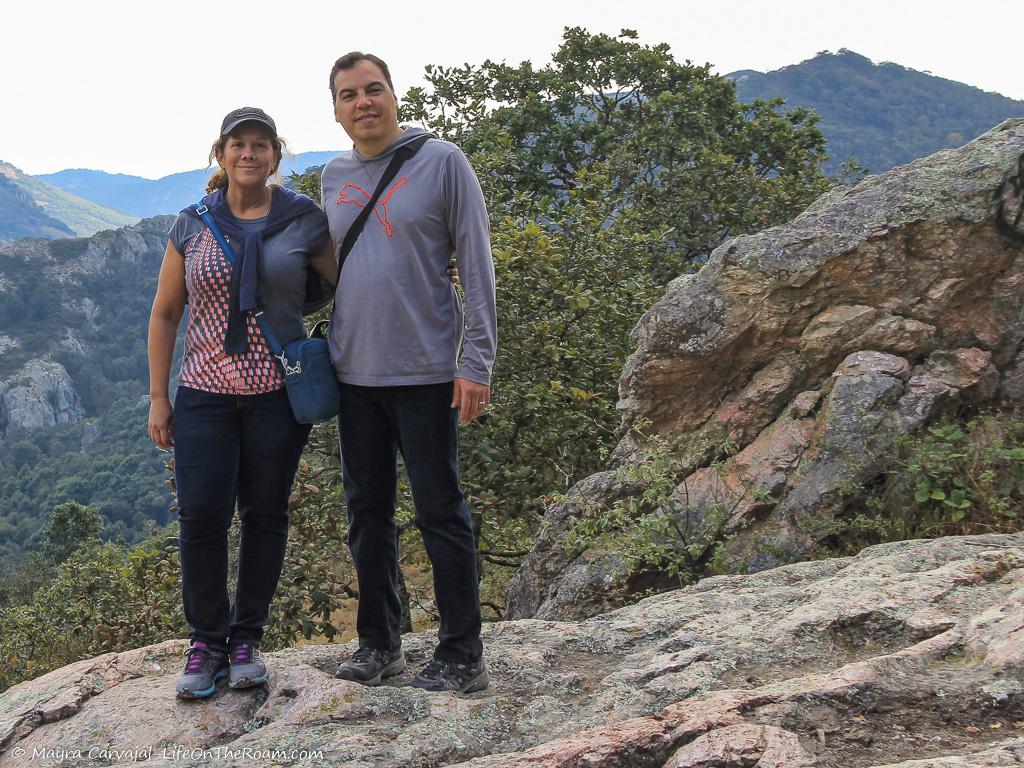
(381, 208)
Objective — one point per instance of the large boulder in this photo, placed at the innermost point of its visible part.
(41, 394)
(907, 652)
(783, 371)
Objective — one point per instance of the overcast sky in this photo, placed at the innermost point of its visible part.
(140, 87)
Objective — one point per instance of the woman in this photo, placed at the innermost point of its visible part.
(234, 436)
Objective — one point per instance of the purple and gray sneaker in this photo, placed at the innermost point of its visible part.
(204, 666)
(247, 667)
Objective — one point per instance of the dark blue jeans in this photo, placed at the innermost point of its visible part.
(228, 449)
(374, 423)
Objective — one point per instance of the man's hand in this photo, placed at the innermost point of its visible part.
(470, 398)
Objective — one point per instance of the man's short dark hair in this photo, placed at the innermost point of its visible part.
(349, 60)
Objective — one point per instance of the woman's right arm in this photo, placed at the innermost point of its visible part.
(168, 307)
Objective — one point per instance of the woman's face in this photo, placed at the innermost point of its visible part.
(248, 156)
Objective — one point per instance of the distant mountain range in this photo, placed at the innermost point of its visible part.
(29, 207)
(153, 197)
(883, 115)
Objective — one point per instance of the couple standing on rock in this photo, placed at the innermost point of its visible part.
(394, 337)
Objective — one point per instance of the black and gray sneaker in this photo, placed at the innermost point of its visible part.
(204, 666)
(370, 665)
(454, 676)
(247, 667)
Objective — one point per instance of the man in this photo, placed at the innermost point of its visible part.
(395, 339)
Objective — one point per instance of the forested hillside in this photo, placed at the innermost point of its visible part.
(82, 303)
(21, 217)
(883, 115)
(30, 207)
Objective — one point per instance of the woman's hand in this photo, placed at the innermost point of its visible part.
(161, 422)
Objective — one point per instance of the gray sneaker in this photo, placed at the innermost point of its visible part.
(204, 666)
(369, 666)
(247, 667)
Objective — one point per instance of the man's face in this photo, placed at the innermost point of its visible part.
(364, 104)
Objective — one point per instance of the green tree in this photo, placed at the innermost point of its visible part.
(606, 173)
(71, 527)
(681, 154)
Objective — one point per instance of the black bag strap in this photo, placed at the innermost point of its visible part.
(402, 154)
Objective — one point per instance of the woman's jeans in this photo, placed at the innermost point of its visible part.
(228, 449)
(375, 423)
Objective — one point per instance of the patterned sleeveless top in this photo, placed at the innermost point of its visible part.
(206, 365)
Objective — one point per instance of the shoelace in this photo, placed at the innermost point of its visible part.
(433, 668)
(366, 653)
(199, 656)
(243, 653)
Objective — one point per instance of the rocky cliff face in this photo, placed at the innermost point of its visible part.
(796, 357)
(91, 297)
(910, 654)
(40, 395)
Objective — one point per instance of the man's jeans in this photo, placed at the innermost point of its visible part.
(419, 421)
(228, 448)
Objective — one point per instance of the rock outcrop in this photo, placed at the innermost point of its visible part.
(41, 394)
(796, 357)
(909, 654)
(92, 296)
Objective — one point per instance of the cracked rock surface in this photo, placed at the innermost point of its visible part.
(909, 654)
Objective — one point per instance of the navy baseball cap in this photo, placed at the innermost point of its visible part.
(236, 117)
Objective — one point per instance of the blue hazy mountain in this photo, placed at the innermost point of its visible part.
(21, 217)
(883, 115)
(29, 207)
(152, 197)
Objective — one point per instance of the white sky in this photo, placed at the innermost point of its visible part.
(140, 86)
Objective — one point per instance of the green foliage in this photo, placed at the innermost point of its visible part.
(568, 296)
(967, 477)
(605, 173)
(71, 527)
(108, 463)
(116, 596)
(957, 477)
(104, 597)
(653, 524)
(318, 578)
(306, 183)
(680, 154)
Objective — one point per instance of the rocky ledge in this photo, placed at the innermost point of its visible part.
(785, 372)
(909, 654)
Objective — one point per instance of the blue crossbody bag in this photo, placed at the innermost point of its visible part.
(308, 374)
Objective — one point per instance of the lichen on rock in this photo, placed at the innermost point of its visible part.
(907, 651)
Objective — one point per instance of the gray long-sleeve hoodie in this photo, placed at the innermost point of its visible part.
(398, 319)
